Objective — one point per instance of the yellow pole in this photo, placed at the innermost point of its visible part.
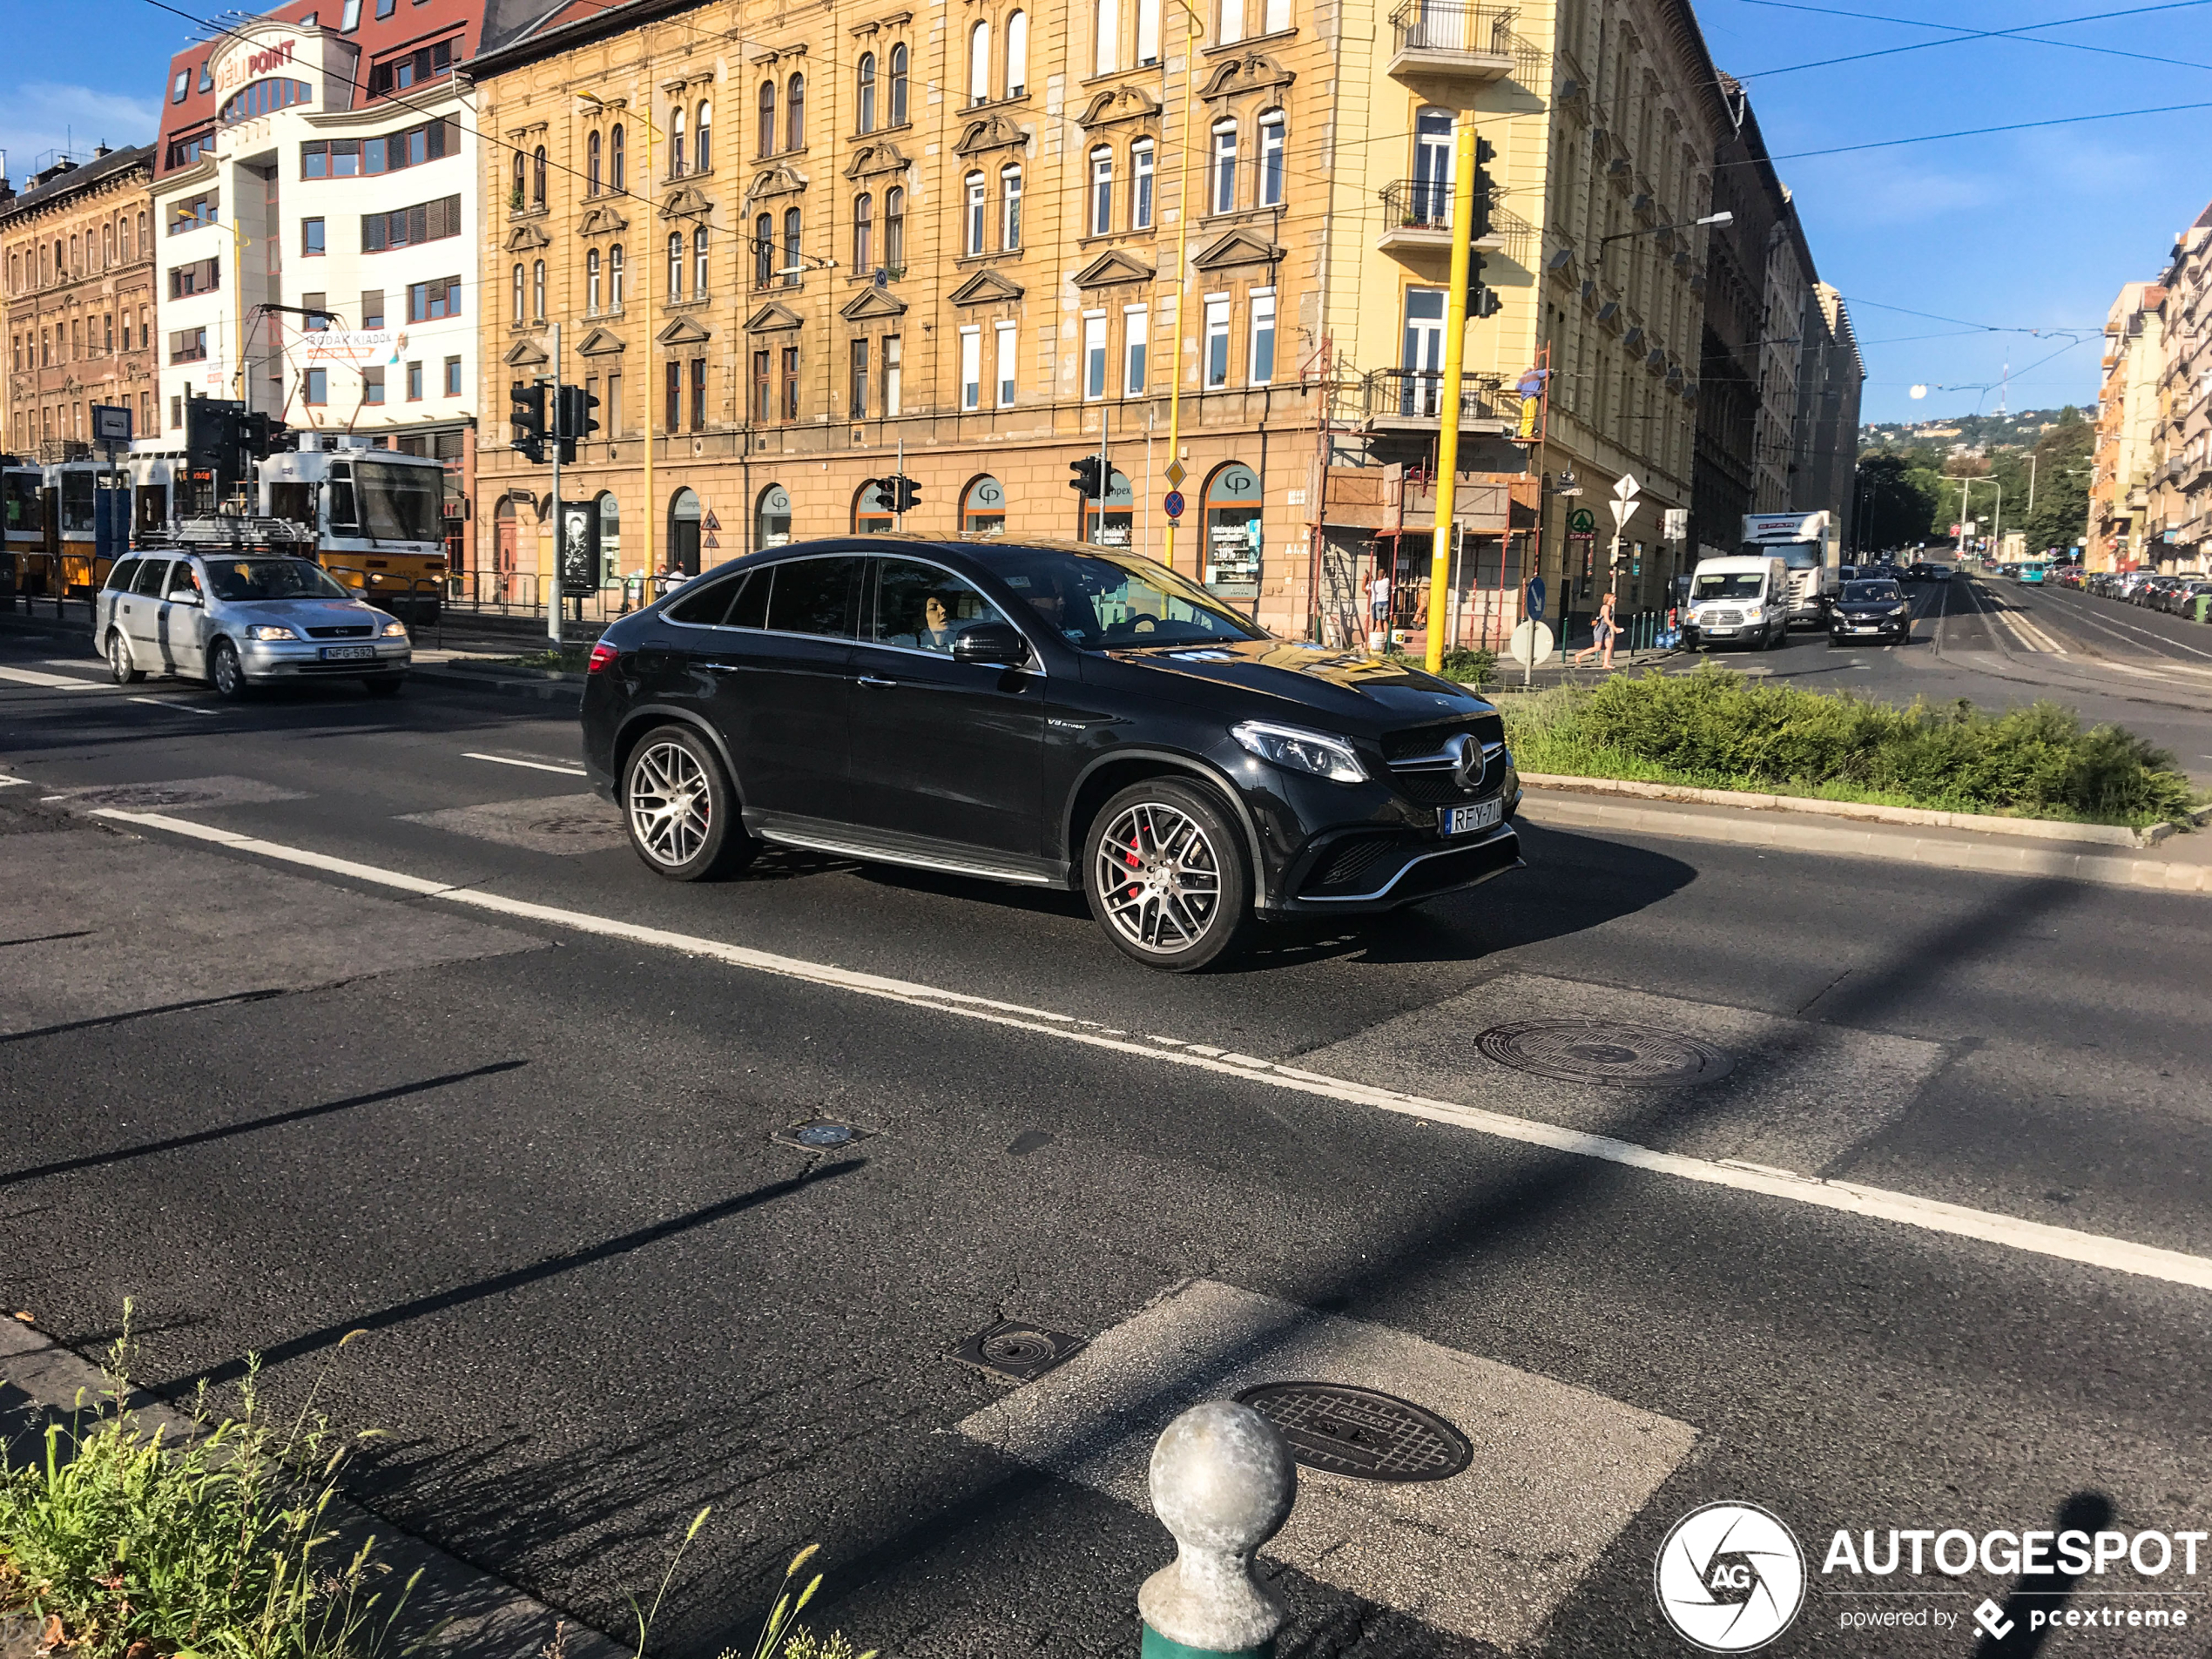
(1182, 282)
(1447, 447)
(652, 516)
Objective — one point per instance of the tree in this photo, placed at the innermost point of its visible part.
(1898, 500)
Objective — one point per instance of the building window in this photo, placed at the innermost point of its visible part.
(186, 346)
(1017, 54)
(311, 238)
(317, 389)
(971, 367)
(895, 227)
(414, 382)
(1278, 16)
(1224, 168)
(538, 290)
(408, 227)
(872, 514)
(452, 377)
(791, 383)
(429, 301)
(515, 202)
(698, 263)
(865, 92)
(1005, 332)
(1272, 146)
(317, 307)
(1148, 33)
(703, 138)
(979, 63)
(614, 278)
(771, 518)
(1009, 208)
(1094, 356)
(591, 165)
(763, 251)
(676, 142)
(863, 233)
(1107, 22)
(899, 86)
(371, 308)
(859, 386)
(1260, 348)
(372, 386)
(1101, 191)
(618, 166)
(518, 292)
(591, 283)
(673, 396)
(767, 118)
(676, 267)
(795, 113)
(790, 247)
(1232, 22)
(195, 213)
(760, 393)
(1216, 358)
(538, 177)
(201, 276)
(698, 394)
(1135, 337)
(1140, 185)
(982, 508)
(976, 214)
(891, 388)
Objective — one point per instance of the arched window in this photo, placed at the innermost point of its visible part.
(771, 518)
(538, 177)
(591, 165)
(1232, 507)
(591, 283)
(144, 250)
(698, 263)
(1223, 194)
(863, 233)
(864, 88)
(675, 265)
(538, 290)
(1009, 207)
(1101, 191)
(702, 138)
(767, 118)
(1017, 54)
(983, 507)
(979, 63)
(518, 199)
(610, 534)
(795, 114)
(1432, 167)
(899, 86)
(107, 246)
(973, 242)
(1108, 22)
(676, 142)
(518, 292)
(684, 515)
(872, 514)
(895, 227)
(763, 251)
(614, 278)
(790, 247)
(618, 169)
(1272, 140)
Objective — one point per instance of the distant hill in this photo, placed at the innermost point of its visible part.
(2017, 430)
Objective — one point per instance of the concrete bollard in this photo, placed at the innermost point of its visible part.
(1223, 1482)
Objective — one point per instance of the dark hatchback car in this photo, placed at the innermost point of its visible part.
(1877, 610)
(1056, 715)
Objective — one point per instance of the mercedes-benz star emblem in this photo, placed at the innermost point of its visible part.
(1467, 760)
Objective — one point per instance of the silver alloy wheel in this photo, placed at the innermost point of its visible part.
(1159, 877)
(229, 677)
(118, 657)
(672, 803)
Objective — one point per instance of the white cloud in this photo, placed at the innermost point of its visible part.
(39, 116)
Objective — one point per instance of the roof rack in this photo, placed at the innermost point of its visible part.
(231, 530)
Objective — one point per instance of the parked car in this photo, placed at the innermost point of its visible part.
(2182, 601)
(1737, 600)
(241, 621)
(1052, 715)
(1879, 611)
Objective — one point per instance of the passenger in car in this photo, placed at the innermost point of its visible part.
(936, 633)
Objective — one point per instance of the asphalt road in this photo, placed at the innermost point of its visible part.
(525, 1144)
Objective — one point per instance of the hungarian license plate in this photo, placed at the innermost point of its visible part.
(1465, 820)
(348, 653)
(1866, 627)
(1724, 628)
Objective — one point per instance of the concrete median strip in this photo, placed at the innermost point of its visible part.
(1929, 1215)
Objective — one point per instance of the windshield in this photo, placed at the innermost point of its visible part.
(1869, 591)
(1728, 584)
(399, 503)
(1106, 600)
(271, 579)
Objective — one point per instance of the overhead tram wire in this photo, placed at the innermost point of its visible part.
(2024, 32)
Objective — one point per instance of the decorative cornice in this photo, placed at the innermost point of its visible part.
(525, 353)
(985, 287)
(1245, 74)
(523, 238)
(686, 201)
(1115, 105)
(772, 317)
(1112, 267)
(870, 160)
(684, 331)
(990, 133)
(600, 342)
(782, 179)
(601, 220)
(1238, 247)
(872, 303)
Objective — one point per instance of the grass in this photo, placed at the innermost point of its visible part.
(1461, 665)
(572, 658)
(1716, 730)
(128, 1542)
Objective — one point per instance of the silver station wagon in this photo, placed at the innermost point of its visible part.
(240, 620)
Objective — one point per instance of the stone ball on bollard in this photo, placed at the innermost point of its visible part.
(1223, 1482)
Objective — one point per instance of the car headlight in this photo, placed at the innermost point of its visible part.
(1901, 610)
(1301, 751)
(395, 629)
(270, 630)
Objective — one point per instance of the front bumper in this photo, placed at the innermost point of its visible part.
(269, 660)
(1877, 628)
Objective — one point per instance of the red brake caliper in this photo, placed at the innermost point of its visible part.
(1133, 860)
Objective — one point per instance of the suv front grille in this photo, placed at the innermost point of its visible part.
(1419, 740)
(351, 630)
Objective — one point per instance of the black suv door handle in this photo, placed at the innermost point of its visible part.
(720, 668)
(870, 679)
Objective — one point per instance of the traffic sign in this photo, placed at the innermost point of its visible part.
(1173, 505)
(1537, 597)
(1176, 473)
(1624, 508)
(1626, 488)
(1531, 641)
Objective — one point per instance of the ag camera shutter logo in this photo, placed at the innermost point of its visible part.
(1730, 1577)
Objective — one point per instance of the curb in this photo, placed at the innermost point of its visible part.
(2042, 829)
(1561, 811)
(472, 1615)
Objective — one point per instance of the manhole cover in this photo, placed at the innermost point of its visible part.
(1013, 1349)
(1343, 1430)
(1594, 1051)
(820, 1134)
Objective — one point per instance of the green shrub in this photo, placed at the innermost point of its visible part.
(1461, 665)
(1715, 729)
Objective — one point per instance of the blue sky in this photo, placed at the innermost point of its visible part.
(2021, 230)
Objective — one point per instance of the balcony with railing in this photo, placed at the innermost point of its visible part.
(1413, 400)
(1416, 225)
(1439, 40)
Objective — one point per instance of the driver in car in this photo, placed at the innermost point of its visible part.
(936, 631)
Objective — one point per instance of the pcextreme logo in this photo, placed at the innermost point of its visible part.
(1730, 1577)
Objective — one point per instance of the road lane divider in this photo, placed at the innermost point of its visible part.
(1875, 1203)
(534, 765)
(46, 681)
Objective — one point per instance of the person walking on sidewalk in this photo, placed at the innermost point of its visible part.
(1602, 634)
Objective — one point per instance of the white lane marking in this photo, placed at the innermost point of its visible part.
(187, 708)
(534, 765)
(52, 682)
(2114, 624)
(7, 782)
(1930, 1215)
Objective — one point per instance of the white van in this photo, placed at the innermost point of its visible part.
(1737, 601)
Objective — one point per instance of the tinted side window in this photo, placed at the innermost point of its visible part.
(150, 571)
(923, 606)
(181, 578)
(704, 606)
(815, 597)
(118, 578)
(752, 608)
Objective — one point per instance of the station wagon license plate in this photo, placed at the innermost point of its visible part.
(348, 653)
(1465, 820)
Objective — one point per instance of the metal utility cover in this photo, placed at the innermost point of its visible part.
(1014, 1350)
(1602, 1051)
(1360, 1432)
(820, 1134)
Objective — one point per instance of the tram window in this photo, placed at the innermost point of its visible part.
(293, 501)
(343, 520)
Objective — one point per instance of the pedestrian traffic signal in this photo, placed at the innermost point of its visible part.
(1089, 471)
(527, 416)
(901, 492)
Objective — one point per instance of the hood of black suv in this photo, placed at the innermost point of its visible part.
(1368, 690)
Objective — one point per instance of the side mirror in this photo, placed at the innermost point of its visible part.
(991, 642)
(186, 596)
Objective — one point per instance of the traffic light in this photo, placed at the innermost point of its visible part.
(575, 418)
(1088, 480)
(1485, 153)
(900, 491)
(1482, 301)
(527, 416)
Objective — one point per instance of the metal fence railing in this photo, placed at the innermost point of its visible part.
(1419, 394)
(1441, 26)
